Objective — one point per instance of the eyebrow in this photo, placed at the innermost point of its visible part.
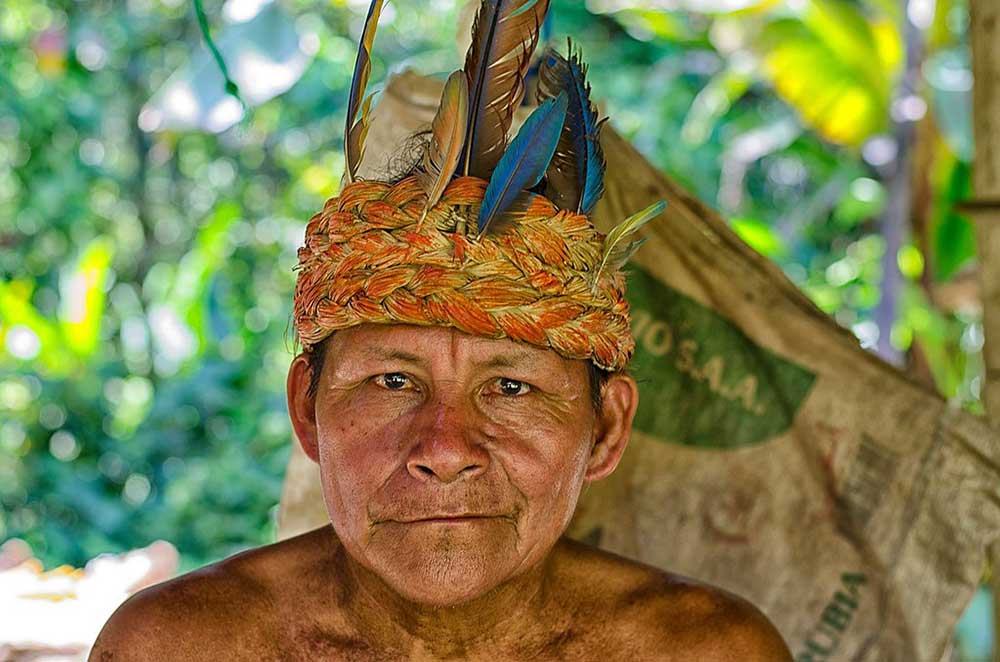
(509, 360)
(392, 355)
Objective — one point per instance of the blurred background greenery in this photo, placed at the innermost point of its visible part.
(149, 221)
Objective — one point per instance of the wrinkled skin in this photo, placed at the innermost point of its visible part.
(451, 466)
(413, 425)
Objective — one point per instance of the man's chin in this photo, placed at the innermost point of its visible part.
(440, 566)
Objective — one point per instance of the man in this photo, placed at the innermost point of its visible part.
(451, 465)
(464, 378)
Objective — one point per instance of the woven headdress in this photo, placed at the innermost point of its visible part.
(487, 235)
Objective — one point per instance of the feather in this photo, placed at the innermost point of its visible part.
(356, 131)
(525, 161)
(447, 139)
(617, 250)
(575, 178)
(356, 140)
(504, 36)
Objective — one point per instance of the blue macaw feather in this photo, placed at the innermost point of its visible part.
(524, 162)
(575, 177)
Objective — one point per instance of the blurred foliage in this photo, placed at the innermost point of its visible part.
(146, 272)
(146, 278)
(790, 132)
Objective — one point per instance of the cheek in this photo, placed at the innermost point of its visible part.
(359, 450)
(558, 476)
(358, 427)
(546, 461)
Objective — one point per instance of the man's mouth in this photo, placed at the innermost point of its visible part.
(449, 519)
(446, 517)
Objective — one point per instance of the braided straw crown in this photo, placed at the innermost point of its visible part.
(369, 259)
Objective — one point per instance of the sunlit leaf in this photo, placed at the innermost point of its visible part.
(828, 299)
(671, 20)
(16, 310)
(843, 29)
(827, 65)
(82, 297)
(320, 180)
(646, 23)
(888, 45)
(702, 6)
(760, 236)
(910, 261)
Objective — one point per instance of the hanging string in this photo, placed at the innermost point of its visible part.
(230, 87)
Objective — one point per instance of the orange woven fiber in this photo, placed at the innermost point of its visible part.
(368, 259)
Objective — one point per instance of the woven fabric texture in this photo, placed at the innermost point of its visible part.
(368, 258)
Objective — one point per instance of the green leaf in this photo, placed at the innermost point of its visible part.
(194, 274)
(82, 297)
(865, 200)
(954, 245)
(910, 261)
(714, 100)
(870, 45)
(659, 24)
(954, 235)
(829, 67)
(16, 310)
(760, 237)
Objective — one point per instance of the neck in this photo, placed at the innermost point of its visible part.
(482, 624)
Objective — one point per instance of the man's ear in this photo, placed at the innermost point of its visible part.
(614, 425)
(302, 406)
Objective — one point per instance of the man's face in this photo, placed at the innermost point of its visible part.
(449, 462)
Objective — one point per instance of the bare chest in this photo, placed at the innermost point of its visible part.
(579, 640)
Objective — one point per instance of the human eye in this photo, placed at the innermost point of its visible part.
(512, 387)
(394, 381)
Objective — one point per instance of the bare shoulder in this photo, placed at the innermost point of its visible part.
(172, 619)
(180, 618)
(192, 617)
(714, 624)
(666, 616)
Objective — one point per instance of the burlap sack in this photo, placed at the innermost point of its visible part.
(772, 456)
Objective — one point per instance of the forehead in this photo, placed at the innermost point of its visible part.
(376, 342)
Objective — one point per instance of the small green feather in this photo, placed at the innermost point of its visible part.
(617, 250)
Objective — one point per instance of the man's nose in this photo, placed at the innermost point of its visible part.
(444, 449)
